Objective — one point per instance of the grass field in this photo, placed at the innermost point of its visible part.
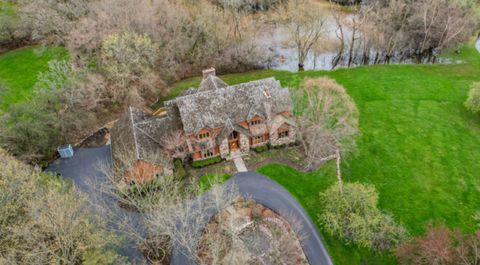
(418, 146)
(19, 70)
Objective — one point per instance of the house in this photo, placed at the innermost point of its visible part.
(215, 119)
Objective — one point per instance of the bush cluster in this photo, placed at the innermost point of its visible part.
(206, 162)
(262, 148)
(353, 216)
(440, 245)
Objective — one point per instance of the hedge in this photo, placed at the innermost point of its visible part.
(206, 162)
(262, 148)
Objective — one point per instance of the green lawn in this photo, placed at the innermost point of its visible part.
(418, 145)
(19, 70)
(206, 181)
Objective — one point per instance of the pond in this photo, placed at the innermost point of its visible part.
(276, 39)
(477, 44)
(325, 56)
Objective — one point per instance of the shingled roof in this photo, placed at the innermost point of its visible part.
(215, 105)
(136, 136)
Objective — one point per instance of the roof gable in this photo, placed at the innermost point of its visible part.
(137, 136)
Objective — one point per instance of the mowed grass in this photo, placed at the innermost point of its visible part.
(418, 146)
(19, 70)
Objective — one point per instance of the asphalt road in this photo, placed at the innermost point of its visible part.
(83, 170)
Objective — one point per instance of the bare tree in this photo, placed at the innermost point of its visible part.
(175, 143)
(167, 215)
(327, 119)
(305, 23)
(51, 20)
(46, 221)
(418, 29)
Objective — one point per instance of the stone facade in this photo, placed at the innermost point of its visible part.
(244, 144)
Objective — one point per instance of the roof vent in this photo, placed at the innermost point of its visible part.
(208, 72)
(266, 93)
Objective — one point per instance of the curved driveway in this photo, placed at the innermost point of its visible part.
(83, 168)
(272, 195)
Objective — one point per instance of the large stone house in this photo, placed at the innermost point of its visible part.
(215, 120)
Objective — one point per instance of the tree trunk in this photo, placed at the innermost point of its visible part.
(339, 173)
(301, 67)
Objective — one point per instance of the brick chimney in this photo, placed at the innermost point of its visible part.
(208, 72)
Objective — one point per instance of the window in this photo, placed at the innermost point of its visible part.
(233, 135)
(283, 134)
(208, 153)
(203, 135)
(258, 139)
(255, 122)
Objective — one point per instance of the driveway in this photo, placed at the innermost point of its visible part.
(83, 167)
(83, 170)
(272, 195)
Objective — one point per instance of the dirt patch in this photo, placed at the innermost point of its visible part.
(97, 139)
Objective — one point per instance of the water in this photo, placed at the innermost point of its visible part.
(285, 54)
(322, 58)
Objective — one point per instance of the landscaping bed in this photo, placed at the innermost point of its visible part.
(250, 233)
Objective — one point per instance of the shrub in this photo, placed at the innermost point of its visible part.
(262, 148)
(440, 245)
(353, 216)
(179, 171)
(206, 162)
(473, 100)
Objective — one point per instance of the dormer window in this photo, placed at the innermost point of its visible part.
(255, 122)
(203, 135)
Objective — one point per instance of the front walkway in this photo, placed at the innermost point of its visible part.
(240, 164)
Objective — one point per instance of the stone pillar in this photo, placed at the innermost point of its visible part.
(224, 148)
(244, 143)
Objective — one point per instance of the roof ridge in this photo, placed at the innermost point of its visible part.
(227, 87)
(151, 119)
(148, 135)
(137, 153)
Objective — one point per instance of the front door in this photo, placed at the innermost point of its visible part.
(233, 141)
(233, 145)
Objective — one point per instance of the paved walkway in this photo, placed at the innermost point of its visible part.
(240, 164)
